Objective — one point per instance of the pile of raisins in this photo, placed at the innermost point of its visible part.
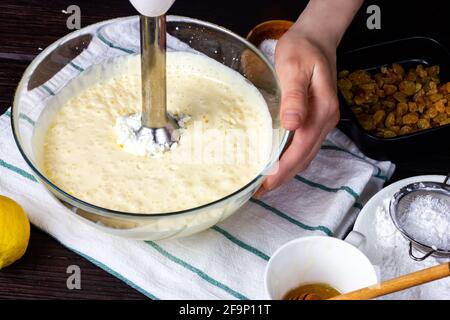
(394, 102)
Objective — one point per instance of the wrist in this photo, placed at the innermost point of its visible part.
(325, 21)
(327, 42)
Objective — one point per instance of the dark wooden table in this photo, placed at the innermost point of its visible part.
(26, 26)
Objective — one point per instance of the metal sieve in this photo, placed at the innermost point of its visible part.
(400, 204)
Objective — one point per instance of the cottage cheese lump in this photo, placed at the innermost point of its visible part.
(225, 143)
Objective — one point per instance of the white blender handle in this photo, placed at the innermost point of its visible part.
(152, 8)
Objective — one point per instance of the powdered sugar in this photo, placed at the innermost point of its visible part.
(268, 47)
(427, 220)
(394, 260)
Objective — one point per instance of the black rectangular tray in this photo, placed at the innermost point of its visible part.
(408, 52)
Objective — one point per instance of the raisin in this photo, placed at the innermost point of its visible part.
(410, 118)
(423, 124)
(405, 130)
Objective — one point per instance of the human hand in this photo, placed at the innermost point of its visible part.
(309, 106)
(305, 60)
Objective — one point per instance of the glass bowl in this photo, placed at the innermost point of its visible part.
(72, 55)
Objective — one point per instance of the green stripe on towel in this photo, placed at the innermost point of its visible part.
(378, 175)
(114, 273)
(313, 184)
(292, 220)
(349, 190)
(21, 116)
(75, 66)
(241, 244)
(50, 91)
(197, 271)
(110, 44)
(17, 170)
(27, 119)
(358, 205)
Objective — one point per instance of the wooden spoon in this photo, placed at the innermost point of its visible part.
(398, 284)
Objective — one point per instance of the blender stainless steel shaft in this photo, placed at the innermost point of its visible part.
(154, 85)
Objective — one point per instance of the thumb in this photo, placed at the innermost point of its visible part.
(294, 97)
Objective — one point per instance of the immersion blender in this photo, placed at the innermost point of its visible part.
(155, 120)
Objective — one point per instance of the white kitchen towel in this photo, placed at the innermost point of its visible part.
(224, 262)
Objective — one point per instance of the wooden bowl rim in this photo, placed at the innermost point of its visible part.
(264, 24)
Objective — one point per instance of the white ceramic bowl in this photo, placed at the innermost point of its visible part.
(324, 260)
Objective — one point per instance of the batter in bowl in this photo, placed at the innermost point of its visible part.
(225, 143)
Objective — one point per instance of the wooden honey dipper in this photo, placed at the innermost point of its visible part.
(390, 286)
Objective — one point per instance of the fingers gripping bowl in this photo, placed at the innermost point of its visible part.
(60, 65)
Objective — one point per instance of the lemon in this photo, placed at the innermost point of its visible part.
(14, 231)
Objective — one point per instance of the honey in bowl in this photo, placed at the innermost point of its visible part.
(320, 290)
